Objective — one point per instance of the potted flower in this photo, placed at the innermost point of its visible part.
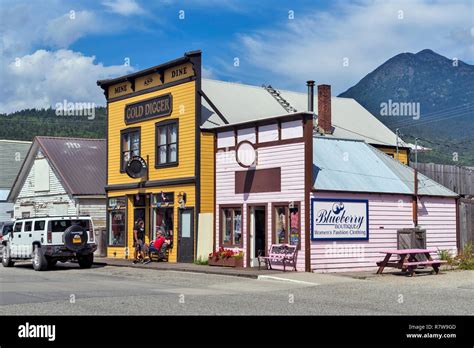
(226, 258)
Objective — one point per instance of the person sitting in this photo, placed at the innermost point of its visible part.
(159, 245)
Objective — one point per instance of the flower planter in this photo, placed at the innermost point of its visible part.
(227, 262)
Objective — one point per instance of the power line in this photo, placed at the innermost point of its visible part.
(439, 113)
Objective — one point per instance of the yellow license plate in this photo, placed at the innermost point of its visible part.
(76, 239)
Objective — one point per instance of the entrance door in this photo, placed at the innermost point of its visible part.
(258, 221)
(186, 235)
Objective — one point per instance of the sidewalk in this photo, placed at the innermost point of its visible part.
(189, 267)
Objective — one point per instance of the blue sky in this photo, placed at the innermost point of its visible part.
(55, 50)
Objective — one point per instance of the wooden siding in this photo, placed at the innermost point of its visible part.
(387, 214)
(183, 109)
(291, 160)
(95, 208)
(207, 172)
(39, 203)
(392, 151)
(457, 178)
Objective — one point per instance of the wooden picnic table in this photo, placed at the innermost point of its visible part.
(409, 260)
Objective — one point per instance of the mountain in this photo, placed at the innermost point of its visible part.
(426, 96)
(26, 124)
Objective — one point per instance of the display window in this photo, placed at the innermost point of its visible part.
(117, 221)
(163, 221)
(231, 229)
(286, 224)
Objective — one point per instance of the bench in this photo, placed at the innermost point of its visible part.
(161, 255)
(409, 260)
(284, 253)
(412, 265)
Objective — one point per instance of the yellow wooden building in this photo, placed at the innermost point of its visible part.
(154, 115)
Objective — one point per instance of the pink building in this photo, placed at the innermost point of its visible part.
(341, 201)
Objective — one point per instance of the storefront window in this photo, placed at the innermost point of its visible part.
(231, 226)
(281, 225)
(166, 143)
(163, 221)
(117, 221)
(130, 146)
(117, 228)
(287, 224)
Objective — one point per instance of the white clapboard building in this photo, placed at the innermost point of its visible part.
(62, 176)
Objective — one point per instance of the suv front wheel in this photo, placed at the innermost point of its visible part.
(85, 261)
(40, 263)
(6, 259)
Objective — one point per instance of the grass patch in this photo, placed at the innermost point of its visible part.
(201, 261)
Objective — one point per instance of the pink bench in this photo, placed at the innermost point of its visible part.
(284, 253)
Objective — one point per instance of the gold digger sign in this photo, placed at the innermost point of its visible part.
(151, 108)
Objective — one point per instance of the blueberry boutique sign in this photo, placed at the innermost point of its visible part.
(336, 219)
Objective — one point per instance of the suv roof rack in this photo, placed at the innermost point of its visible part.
(54, 217)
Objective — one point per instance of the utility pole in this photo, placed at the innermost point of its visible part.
(396, 132)
(416, 153)
(415, 189)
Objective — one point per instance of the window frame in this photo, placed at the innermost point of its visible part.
(109, 221)
(233, 207)
(286, 205)
(166, 123)
(28, 226)
(39, 222)
(123, 132)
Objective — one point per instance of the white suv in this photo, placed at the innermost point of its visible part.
(47, 240)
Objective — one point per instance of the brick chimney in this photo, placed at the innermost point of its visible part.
(324, 108)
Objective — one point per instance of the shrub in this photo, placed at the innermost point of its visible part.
(465, 258)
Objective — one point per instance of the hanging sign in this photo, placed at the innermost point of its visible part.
(136, 167)
(339, 219)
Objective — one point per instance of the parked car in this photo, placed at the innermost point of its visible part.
(47, 240)
(5, 229)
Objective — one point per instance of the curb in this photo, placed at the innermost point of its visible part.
(294, 281)
(242, 275)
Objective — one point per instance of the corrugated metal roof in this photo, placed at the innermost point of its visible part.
(81, 163)
(240, 103)
(355, 166)
(4, 195)
(12, 155)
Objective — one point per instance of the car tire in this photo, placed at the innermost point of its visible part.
(6, 258)
(39, 260)
(85, 261)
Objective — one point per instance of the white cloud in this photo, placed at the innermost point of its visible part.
(208, 72)
(124, 7)
(367, 33)
(44, 78)
(68, 28)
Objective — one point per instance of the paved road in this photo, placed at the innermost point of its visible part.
(127, 291)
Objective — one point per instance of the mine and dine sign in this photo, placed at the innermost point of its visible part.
(150, 108)
(339, 219)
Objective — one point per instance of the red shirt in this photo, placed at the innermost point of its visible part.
(158, 243)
